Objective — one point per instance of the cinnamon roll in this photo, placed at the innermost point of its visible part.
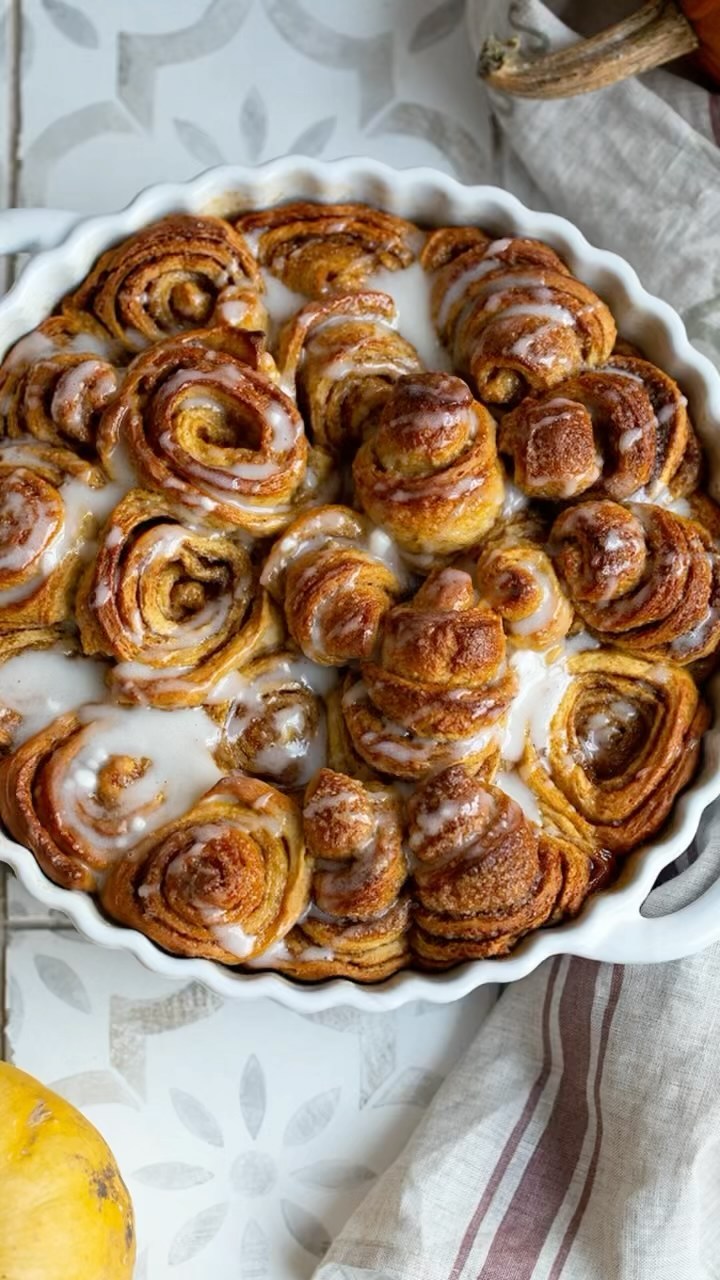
(342, 356)
(183, 272)
(623, 742)
(335, 577)
(357, 925)
(272, 717)
(511, 313)
(440, 687)
(82, 791)
(50, 501)
(484, 874)
(429, 473)
(225, 881)
(177, 608)
(517, 579)
(215, 434)
(614, 432)
(317, 249)
(641, 578)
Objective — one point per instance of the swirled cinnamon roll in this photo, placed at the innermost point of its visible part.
(177, 608)
(512, 315)
(517, 579)
(342, 356)
(613, 432)
(82, 790)
(357, 925)
(183, 272)
(272, 717)
(484, 874)
(225, 881)
(641, 578)
(623, 742)
(440, 686)
(214, 434)
(50, 501)
(317, 249)
(335, 576)
(429, 473)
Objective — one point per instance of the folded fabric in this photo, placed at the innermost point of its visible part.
(580, 1135)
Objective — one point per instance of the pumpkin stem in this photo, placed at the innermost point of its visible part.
(654, 34)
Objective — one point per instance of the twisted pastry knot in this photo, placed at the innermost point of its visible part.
(429, 473)
(440, 687)
(511, 313)
(343, 356)
(484, 874)
(47, 497)
(273, 721)
(336, 577)
(612, 433)
(358, 922)
(225, 881)
(317, 249)
(183, 272)
(78, 793)
(623, 742)
(176, 608)
(517, 579)
(641, 578)
(212, 431)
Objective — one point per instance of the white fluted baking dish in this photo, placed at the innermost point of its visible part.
(610, 927)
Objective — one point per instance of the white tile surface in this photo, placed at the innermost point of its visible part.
(246, 1134)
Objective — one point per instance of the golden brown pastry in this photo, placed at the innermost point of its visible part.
(335, 576)
(511, 314)
(272, 718)
(440, 687)
(48, 497)
(641, 578)
(177, 608)
(516, 578)
(212, 431)
(225, 881)
(357, 925)
(623, 742)
(484, 874)
(613, 432)
(183, 272)
(429, 473)
(317, 249)
(342, 357)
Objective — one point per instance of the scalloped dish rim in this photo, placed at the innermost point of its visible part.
(610, 926)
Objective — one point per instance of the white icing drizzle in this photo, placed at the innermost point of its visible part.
(541, 685)
(410, 292)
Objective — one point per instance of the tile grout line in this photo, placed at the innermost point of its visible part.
(14, 126)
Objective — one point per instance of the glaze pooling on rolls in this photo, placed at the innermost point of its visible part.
(356, 590)
(511, 312)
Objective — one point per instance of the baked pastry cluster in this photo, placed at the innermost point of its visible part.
(314, 657)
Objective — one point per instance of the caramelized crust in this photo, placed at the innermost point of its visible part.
(318, 249)
(511, 314)
(517, 579)
(429, 472)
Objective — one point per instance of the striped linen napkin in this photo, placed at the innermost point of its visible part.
(580, 1135)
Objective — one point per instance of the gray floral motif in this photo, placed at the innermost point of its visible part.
(436, 25)
(141, 55)
(131, 1021)
(90, 1088)
(253, 1173)
(334, 1175)
(253, 1096)
(253, 123)
(378, 1041)
(313, 140)
(370, 57)
(450, 138)
(172, 1175)
(61, 136)
(304, 1227)
(63, 982)
(254, 1253)
(311, 1118)
(415, 1086)
(198, 143)
(196, 1234)
(194, 1115)
(72, 22)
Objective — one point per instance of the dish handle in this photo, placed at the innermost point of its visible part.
(638, 939)
(29, 230)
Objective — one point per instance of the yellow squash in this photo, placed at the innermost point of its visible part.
(65, 1213)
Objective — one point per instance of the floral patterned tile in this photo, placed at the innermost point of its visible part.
(246, 1133)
